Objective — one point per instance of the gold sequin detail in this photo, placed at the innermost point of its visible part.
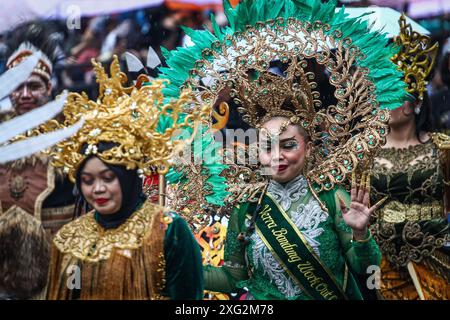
(85, 239)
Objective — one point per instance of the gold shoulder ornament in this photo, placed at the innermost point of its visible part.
(86, 240)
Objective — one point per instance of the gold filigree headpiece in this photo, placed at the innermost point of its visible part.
(129, 117)
(264, 95)
(345, 133)
(416, 57)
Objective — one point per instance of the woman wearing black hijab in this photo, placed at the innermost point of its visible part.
(124, 247)
(128, 180)
(116, 197)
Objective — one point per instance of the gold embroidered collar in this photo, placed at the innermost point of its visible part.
(85, 239)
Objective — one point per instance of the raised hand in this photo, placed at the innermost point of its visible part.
(358, 215)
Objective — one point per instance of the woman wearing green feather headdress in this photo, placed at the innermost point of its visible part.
(301, 236)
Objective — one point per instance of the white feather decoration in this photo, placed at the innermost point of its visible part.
(25, 148)
(31, 119)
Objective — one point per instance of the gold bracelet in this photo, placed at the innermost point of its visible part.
(364, 240)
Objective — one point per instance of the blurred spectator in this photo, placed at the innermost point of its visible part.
(116, 41)
(81, 54)
(101, 37)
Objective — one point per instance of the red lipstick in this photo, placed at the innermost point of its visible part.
(280, 168)
(101, 201)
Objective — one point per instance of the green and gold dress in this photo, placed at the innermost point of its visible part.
(411, 227)
(254, 266)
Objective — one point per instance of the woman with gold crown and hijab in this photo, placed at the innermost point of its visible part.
(305, 232)
(126, 247)
(412, 172)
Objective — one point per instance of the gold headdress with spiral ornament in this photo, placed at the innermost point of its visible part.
(416, 57)
(137, 120)
(239, 60)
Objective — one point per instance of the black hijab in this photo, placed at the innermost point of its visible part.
(130, 185)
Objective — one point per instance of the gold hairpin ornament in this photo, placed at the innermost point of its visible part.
(416, 57)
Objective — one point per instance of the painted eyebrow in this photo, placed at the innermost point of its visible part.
(282, 140)
(288, 139)
(90, 174)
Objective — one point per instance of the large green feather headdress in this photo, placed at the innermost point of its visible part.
(295, 33)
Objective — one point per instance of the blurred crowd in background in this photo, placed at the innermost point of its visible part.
(160, 25)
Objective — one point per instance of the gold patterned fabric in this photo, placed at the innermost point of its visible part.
(211, 240)
(123, 263)
(397, 285)
(411, 175)
(411, 226)
(54, 218)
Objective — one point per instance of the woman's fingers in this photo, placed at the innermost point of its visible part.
(359, 190)
(366, 198)
(367, 191)
(360, 196)
(372, 209)
(342, 205)
(354, 189)
(377, 205)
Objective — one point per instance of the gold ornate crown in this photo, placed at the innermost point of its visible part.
(346, 133)
(264, 95)
(131, 118)
(416, 57)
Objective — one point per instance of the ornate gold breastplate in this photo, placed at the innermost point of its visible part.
(86, 240)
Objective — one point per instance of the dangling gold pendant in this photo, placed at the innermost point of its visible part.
(17, 187)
